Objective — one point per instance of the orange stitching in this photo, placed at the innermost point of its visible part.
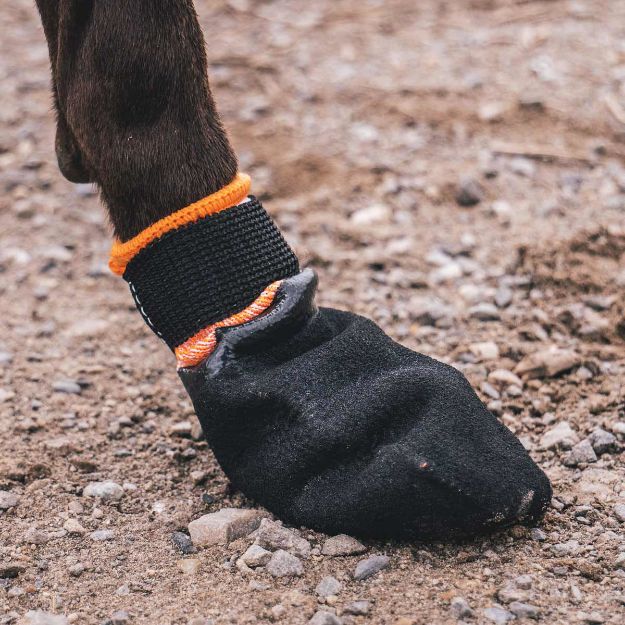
(202, 344)
(231, 194)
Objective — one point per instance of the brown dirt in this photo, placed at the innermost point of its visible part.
(334, 107)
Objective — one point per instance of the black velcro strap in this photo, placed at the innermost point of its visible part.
(206, 271)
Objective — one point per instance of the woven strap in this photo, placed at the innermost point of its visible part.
(208, 270)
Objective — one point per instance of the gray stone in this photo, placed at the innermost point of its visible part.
(107, 490)
(562, 435)
(272, 535)
(325, 618)
(619, 512)
(569, 548)
(34, 536)
(469, 192)
(182, 429)
(183, 543)
(498, 615)
(361, 607)
(370, 566)
(503, 297)
(503, 377)
(603, 442)
(120, 617)
(224, 526)
(284, 564)
(524, 610)
(510, 593)
(582, 453)
(102, 535)
(460, 608)
(256, 556)
(370, 215)
(484, 312)
(342, 545)
(74, 528)
(328, 586)
(8, 500)
(67, 386)
(547, 363)
(39, 617)
(523, 581)
(486, 350)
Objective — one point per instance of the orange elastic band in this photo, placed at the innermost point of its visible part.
(202, 344)
(233, 193)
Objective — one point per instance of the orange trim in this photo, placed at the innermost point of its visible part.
(231, 194)
(201, 345)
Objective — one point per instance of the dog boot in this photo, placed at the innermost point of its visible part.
(315, 413)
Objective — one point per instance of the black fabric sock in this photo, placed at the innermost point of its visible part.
(324, 420)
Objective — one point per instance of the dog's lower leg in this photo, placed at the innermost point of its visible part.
(315, 413)
(134, 106)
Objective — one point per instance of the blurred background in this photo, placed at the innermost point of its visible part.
(455, 170)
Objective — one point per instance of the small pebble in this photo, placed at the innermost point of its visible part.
(272, 535)
(74, 528)
(498, 615)
(370, 566)
(562, 435)
(503, 297)
(523, 581)
(107, 491)
(360, 607)
(342, 545)
(328, 586)
(524, 610)
(325, 618)
(278, 611)
(284, 564)
(469, 192)
(619, 512)
(582, 453)
(67, 386)
(34, 536)
(8, 500)
(121, 617)
(224, 526)
(39, 617)
(484, 312)
(183, 543)
(76, 570)
(460, 608)
(603, 442)
(102, 535)
(256, 556)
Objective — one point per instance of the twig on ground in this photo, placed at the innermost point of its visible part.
(541, 153)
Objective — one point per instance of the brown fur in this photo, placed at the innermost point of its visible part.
(134, 110)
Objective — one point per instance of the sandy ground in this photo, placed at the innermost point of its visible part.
(365, 126)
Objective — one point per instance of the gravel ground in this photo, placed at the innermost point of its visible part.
(454, 170)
